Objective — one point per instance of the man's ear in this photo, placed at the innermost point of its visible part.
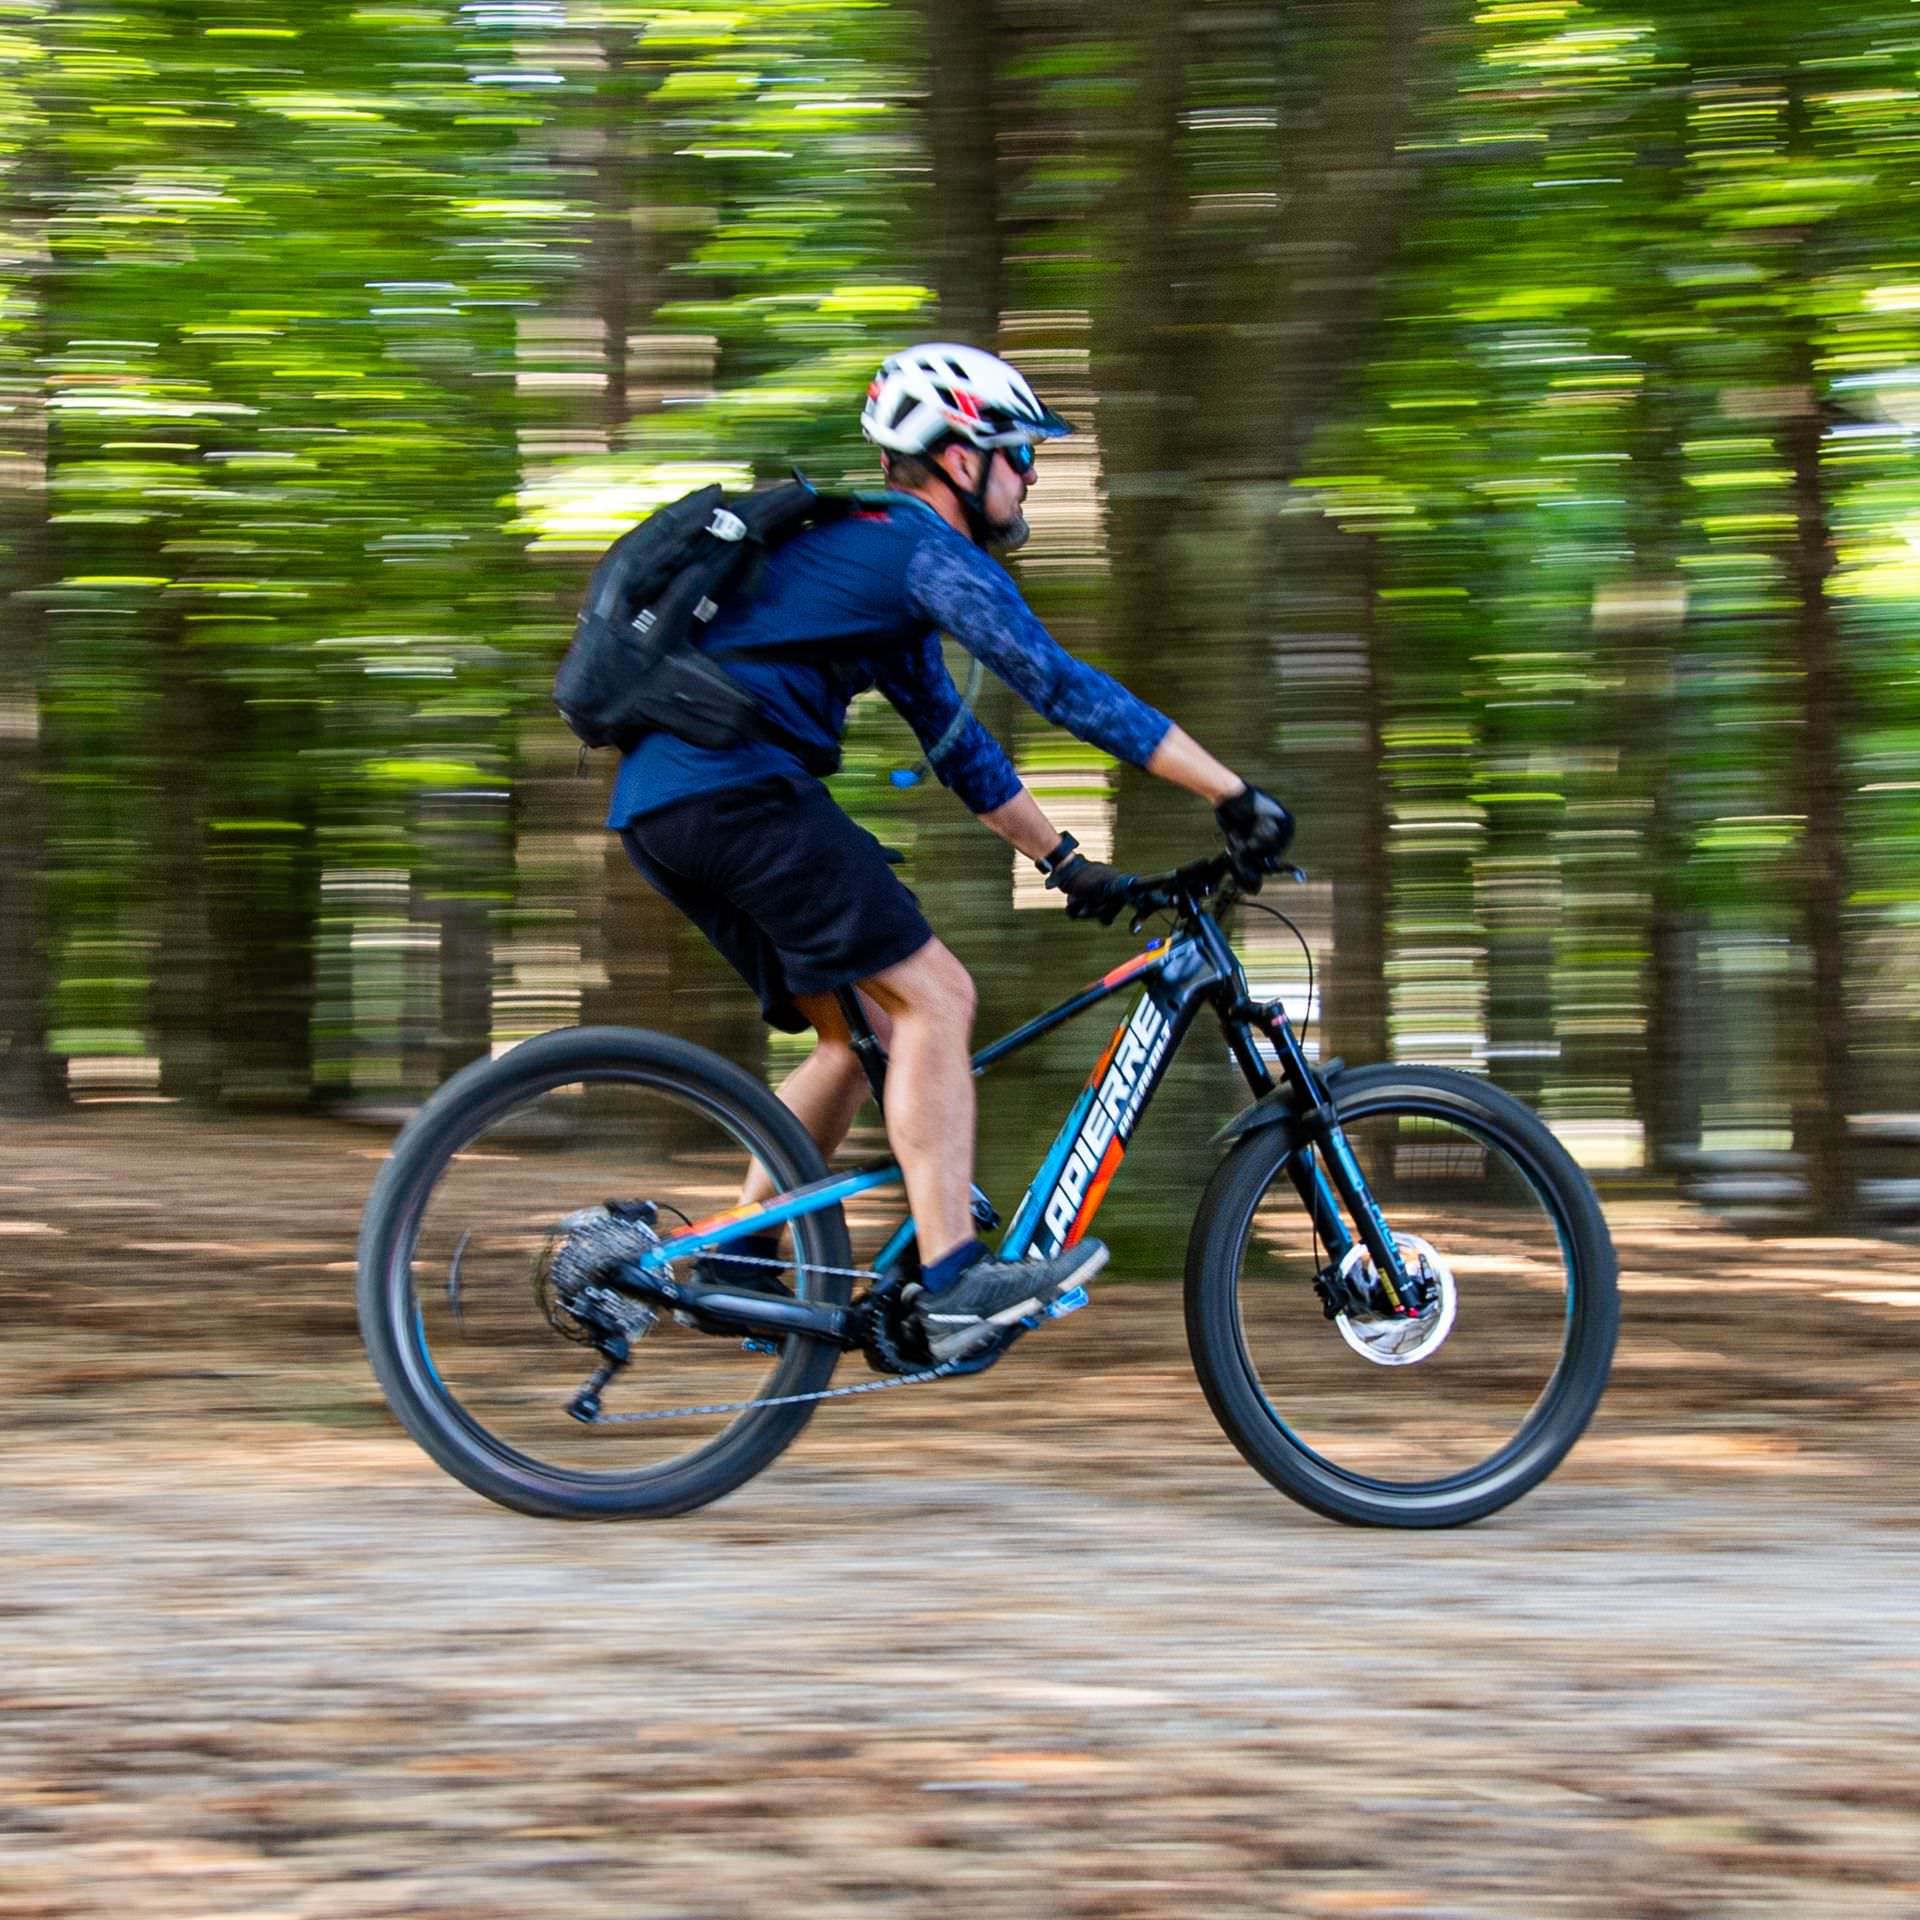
(956, 458)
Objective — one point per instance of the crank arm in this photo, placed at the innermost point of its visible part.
(739, 1309)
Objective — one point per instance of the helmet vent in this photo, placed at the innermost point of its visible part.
(907, 404)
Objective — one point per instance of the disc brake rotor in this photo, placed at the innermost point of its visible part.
(1394, 1339)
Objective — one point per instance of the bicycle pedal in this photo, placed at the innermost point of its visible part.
(760, 1346)
(1060, 1306)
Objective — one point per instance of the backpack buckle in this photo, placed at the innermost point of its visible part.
(727, 526)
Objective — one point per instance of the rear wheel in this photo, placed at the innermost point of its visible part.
(1380, 1421)
(470, 1358)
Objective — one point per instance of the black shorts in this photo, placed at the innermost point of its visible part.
(797, 896)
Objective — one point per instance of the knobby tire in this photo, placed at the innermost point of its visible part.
(1227, 1371)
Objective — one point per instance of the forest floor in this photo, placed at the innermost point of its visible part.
(1037, 1644)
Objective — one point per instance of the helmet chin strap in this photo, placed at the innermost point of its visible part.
(1010, 538)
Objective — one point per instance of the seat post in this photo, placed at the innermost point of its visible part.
(866, 1043)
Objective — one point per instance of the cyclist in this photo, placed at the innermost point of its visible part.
(801, 900)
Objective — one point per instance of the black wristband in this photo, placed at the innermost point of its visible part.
(1065, 846)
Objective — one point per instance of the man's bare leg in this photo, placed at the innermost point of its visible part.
(827, 1089)
(930, 1104)
(929, 1116)
(923, 1012)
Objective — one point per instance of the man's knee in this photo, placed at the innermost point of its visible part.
(930, 984)
(837, 1057)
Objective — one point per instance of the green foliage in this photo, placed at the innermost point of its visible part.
(334, 343)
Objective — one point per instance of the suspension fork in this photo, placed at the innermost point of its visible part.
(1322, 1168)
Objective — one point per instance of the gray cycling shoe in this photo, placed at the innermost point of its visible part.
(994, 1293)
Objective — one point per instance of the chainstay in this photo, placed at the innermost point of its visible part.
(940, 1372)
(788, 1266)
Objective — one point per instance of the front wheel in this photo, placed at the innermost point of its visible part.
(1358, 1420)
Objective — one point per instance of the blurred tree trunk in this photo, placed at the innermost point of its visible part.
(187, 1018)
(625, 937)
(30, 1076)
(263, 903)
(644, 965)
(1658, 710)
(1519, 891)
(1821, 1124)
(1356, 1024)
(468, 850)
(616, 923)
(963, 223)
(1143, 402)
(616, 259)
(1254, 207)
(1344, 189)
(1305, 320)
(1667, 1076)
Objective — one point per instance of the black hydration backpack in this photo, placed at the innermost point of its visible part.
(635, 665)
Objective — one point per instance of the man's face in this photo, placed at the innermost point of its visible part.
(1006, 496)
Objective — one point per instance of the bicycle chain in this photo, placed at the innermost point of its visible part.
(941, 1372)
(783, 1399)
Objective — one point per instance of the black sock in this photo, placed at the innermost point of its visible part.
(951, 1266)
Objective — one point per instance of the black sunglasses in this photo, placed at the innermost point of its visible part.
(1020, 456)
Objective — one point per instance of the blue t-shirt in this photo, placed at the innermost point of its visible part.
(862, 602)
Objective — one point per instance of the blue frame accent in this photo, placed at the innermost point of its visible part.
(1019, 1236)
(776, 1212)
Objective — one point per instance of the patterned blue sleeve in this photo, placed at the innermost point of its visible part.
(916, 680)
(954, 586)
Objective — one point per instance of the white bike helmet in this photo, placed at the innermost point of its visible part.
(927, 395)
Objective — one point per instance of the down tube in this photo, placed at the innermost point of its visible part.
(1066, 1193)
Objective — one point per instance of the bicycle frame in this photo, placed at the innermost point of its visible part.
(1191, 968)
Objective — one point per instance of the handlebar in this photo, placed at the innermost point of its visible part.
(1183, 888)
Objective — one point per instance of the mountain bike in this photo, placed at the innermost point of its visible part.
(1400, 1291)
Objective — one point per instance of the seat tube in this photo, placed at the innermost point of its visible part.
(866, 1043)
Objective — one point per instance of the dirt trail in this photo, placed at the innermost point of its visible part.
(1038, 1646)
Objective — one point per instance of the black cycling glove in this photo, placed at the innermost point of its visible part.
(1094, 892)
(1258, 832)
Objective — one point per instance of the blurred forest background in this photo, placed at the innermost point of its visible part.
(1498, 436)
